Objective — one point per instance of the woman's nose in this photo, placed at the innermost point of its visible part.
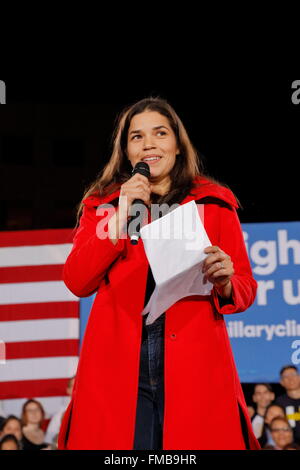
(148, 142)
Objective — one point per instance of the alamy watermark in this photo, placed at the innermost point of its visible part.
(296, 94)
(179, 227)
(2, 92)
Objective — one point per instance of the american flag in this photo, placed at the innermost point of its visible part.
(39, 320)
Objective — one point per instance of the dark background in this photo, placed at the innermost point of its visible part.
(55, 137)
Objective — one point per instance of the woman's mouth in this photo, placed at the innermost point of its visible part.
(151, 160)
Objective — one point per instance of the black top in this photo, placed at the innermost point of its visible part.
(292, 409)
(28, 445)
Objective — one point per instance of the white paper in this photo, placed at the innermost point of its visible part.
(174, 245)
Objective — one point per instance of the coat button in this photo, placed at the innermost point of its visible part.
(172, 336)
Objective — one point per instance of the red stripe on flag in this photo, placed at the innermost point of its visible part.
(48, 272)
(39, 311)
(36, 237)
(33, 388)
(45, 348)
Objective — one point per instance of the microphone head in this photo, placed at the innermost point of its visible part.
(142, 168)
(134, 239)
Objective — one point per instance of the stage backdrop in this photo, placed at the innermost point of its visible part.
(42, 323)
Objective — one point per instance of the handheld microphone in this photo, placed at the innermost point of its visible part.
(134, 232)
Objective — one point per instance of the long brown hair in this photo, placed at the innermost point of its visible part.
(187, 166)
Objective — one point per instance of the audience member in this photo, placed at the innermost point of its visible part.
(282, 433)
(32, 416)
(9, 442)
(290, 380)
(55, 422)
(12, 426)
(272, 411)
(251, 411)
(263, 396)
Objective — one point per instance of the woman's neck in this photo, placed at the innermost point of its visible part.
(31, 427)
(160, 187)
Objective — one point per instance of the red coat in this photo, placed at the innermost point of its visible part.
(202, 387)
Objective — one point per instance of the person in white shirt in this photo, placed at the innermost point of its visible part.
(2, 414)
(263, 396)
(55, 422)
(273, 411)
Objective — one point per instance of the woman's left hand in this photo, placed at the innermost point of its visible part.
(218, 269)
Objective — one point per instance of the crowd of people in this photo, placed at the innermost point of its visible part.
(275, 420)
(27, 431)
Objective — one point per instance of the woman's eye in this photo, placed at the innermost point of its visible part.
(138, 135)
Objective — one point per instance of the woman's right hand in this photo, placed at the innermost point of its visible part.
(137, 187)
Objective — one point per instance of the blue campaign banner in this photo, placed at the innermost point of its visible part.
(85, 308)
(265, 337)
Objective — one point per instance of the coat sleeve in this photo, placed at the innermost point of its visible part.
(90, 257)
(231, 241)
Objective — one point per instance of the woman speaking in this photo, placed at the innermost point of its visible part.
(172, 384)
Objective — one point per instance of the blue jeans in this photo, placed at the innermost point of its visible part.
(150, 404)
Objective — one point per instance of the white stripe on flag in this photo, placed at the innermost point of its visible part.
(34, 255)
(38, 368)
(51, 405)
(39, 330)
(30, 292)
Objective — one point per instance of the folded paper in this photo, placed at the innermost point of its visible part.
(174, 245)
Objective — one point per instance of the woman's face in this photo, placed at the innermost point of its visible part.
(290, 379)
(33, 413)
(13, 427)
(150, 134)
(272, 413)
(9, 445)
(262, 396)
(281, 433)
